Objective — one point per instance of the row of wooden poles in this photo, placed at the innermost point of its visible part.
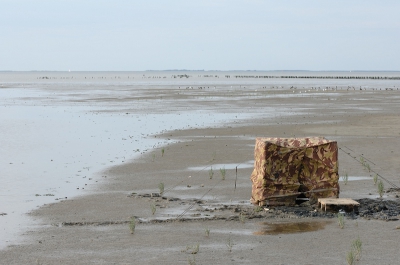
(319, 77)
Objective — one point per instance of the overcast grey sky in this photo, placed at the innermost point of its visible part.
(129, 35)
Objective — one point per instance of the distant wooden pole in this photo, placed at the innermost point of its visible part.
(236, 178)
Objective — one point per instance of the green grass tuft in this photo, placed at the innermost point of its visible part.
(153, 208)
(193, 249)
(340, 217)
(192, 261)
(132, 224)
(357, 248)
(345, 178)
(229, 244)
(161, 188)
(211, 173)
(207, 232)
(375, 179)
(350, 258)
(381, 188)
(223, 173)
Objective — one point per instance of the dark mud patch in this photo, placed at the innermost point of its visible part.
(290, 228)
(387, 210)
(379, 209)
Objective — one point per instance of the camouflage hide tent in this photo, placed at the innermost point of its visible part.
(288, 168)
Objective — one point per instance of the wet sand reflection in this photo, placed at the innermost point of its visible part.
(290, 228)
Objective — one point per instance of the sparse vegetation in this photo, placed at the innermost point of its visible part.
(161, 188)
(375, 179)
(192, 261)
(357, 248)
(193, 249)
(211, 173)
(229, 244)
(350, 258)
(242, 218)
(258, 208)
(162, 151)
(341, 220)
(345, 178)
(223, 172)
(355, 253)
(362, 160)
(153, 208)
(207, 232)
(132, 224)
(380, 188)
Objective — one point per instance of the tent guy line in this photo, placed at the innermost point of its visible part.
(359, 161)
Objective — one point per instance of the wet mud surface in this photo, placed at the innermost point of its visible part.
(194, 209)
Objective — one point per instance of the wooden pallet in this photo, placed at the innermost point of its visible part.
(337, 202)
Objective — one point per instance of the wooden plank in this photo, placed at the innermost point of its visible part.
(336, 201)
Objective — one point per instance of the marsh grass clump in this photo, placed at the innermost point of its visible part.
(375, 179)
(193, 249)
(132, 224)
(380, 188)
(345, 178)
(258, 208)
(162, 151)
(153, 208)
(211, 173)
(242, 218)
(192, 261)
(362, 160)
(207, 232)
(229, 244)
(340, 217)
(357, 248)
(350, 258)
(161, 188)
(223, 173)
(368, 167)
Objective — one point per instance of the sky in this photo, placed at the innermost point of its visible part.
(131, 35)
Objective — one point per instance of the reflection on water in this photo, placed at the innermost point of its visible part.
(290, 228)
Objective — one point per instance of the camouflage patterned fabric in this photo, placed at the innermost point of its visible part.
(285, 168)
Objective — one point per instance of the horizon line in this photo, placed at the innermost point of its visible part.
(187, 70)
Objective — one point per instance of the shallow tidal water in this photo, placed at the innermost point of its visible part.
(52, 150)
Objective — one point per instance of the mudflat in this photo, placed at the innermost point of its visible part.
(204, 215)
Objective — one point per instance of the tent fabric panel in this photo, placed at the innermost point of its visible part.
(285, 166)
(320, 170)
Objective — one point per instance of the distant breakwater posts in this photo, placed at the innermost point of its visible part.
(321, 77)
(231, 76)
